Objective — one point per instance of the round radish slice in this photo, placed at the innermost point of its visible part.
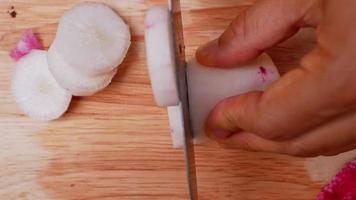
(161, 57)
(75, 82)
(207, 86)
(36, 91)
(92, 38)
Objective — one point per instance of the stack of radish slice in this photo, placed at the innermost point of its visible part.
(91, 41)
(206, 86)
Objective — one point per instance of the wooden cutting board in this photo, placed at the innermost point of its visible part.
(116, 144)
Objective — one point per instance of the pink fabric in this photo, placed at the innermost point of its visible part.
(28, 42)
(343, 185)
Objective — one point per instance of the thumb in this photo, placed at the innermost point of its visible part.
(263, 25)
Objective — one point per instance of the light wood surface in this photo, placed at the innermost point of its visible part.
(116, 144)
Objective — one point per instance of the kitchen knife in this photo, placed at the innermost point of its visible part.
(188, 145)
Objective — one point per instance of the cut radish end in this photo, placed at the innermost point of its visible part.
(161, 57)
(343, 185)
(27, 43)
(207, 86)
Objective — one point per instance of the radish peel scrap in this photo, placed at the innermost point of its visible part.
(342, 186)
(27, 43)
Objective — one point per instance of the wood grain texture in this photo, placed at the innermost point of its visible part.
(116, 144)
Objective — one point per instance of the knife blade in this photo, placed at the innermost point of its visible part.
(188, 146)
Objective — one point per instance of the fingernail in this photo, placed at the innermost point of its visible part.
(219, 134)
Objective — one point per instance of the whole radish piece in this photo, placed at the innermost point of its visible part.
(208, 86)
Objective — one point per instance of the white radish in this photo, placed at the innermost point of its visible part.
(92, 38)
(175, 117)
(75, 82)
(161, 56)
(36, 91)
(207, 86)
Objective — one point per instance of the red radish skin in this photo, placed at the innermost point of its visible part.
(264, 73)
(342, 186)
(27, 43)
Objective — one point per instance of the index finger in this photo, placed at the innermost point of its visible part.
(263, 25)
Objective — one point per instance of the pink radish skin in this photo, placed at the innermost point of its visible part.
(342, 186)
(27, 43)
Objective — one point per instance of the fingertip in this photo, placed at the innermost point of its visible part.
(240, 141)
(232, 114)
(217, 127)
(219, 134)
(251, 142)
(218, 124)
(205, 54)
(212, 127)
(213, 54)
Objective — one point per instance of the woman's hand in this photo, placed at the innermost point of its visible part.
(311, 110)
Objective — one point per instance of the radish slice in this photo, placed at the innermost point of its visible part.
(92, 38)
(160, 56)
(175, 116)
(36, 91)
(176, 123)
(207, 86)
(27, 43)
(74, 81)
